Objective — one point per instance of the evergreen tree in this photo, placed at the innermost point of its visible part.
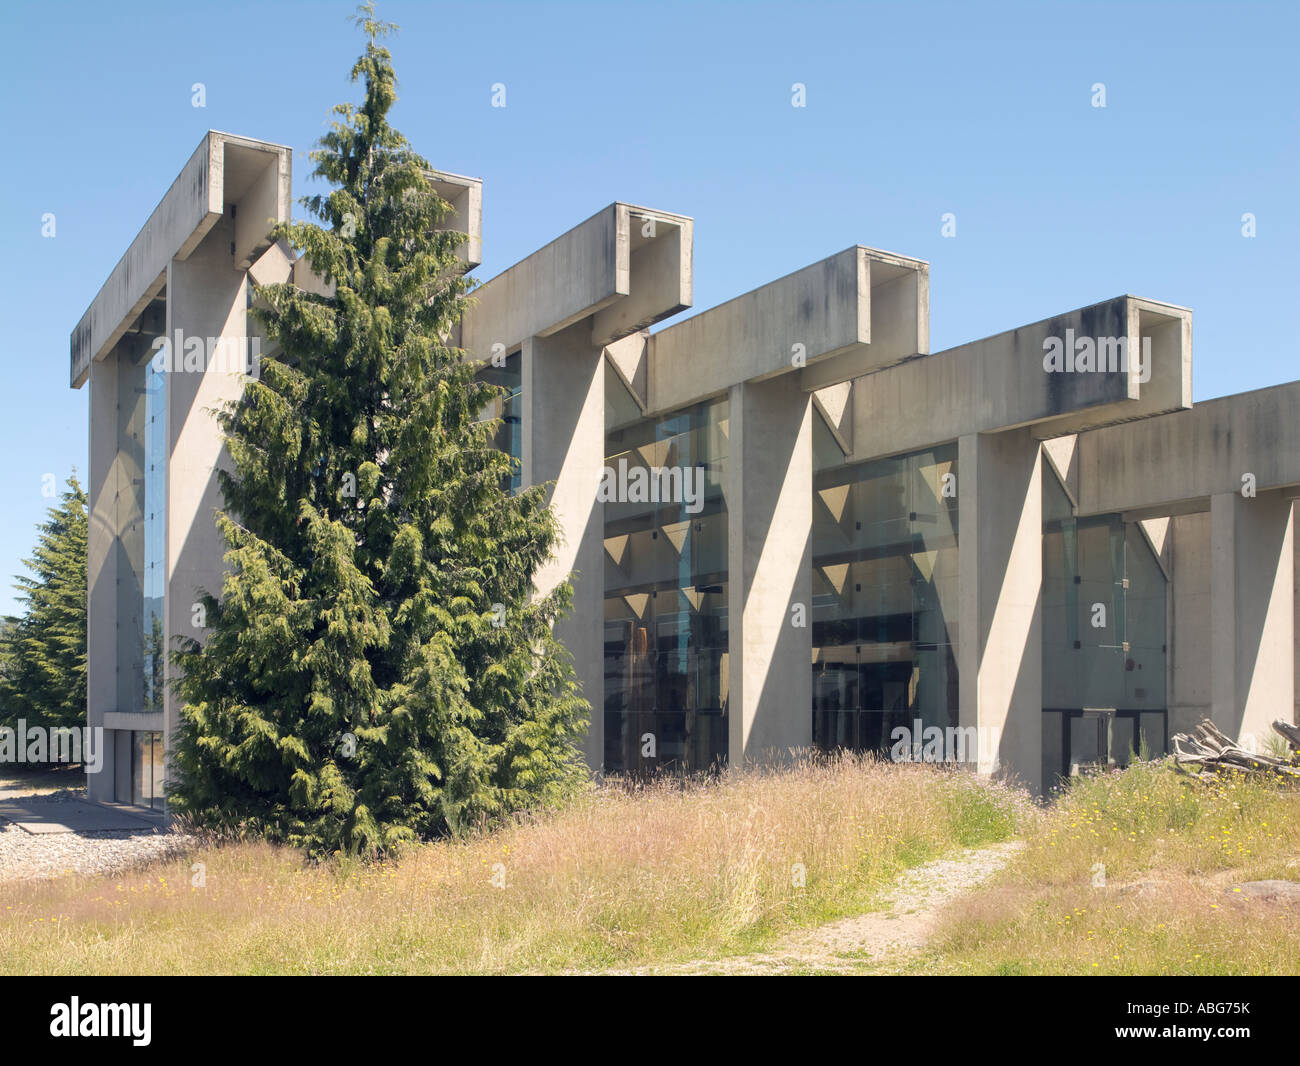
(378, 667)
(43, 679)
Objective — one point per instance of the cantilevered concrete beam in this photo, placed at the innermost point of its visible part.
(1001, 382)
(832, 321)
(624, 268)
(225, 175)
(1158, 464)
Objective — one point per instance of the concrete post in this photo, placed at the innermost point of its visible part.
(769, 552)
(563, 396)
(1252, 560)
(206, 298)
(999, 635)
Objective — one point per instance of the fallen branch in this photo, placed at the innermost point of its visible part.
(1208, 752)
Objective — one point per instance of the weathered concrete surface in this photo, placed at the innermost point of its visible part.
(826, 321)
(466, 198)
(1252, 640)
(1189, 618)
(587, 270)
(1157, 463)
(1000, 383)
(564, 442)
(769, 591)
(224, 169)
(999, 630)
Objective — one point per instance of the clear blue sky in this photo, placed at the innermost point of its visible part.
(913, 110)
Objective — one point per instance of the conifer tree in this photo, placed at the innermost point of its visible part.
(378, 666)
(44, 651)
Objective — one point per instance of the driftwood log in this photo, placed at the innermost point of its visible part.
(1208, 752)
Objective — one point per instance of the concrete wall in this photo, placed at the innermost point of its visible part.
(1189, 629)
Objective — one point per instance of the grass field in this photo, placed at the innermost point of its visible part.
(1132, 873)
(662, 874)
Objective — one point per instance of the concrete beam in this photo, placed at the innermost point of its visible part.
(616, 257)
(834, 320)
(1001, 382)
(466, 198)
(1159, 465)
(223, 172)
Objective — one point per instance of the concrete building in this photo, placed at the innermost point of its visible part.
(792, 525)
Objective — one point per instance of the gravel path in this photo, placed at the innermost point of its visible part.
(883, 940)
(24, 855)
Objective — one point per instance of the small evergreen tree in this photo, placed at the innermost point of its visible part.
(378, 667)
(44, 651)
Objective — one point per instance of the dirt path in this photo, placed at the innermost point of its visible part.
(880, 942)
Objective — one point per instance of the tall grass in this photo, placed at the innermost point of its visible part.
(621, 877)
(1132, 873)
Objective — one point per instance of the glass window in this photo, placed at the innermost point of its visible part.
(147, 769)
(884, 597)
(141, 520)
(1104, 601)
(666, 634)
(508, 407)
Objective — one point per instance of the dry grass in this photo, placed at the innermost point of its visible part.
(617, 878)
(1171, 852)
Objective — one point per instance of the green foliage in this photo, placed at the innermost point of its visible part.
(43, 653)
(352, 692)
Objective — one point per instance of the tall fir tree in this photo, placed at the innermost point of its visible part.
(378, 667)
(44, 651)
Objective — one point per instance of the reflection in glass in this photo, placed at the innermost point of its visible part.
(666, 598)
(155, 527)
(1104, 653)
(140, 498)
(884, 596)
(147, 769)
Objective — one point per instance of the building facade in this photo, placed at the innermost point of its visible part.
(791, 525)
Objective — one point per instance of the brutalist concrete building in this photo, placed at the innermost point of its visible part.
(793, 525)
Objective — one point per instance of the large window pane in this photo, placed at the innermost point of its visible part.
(666, 631)
(884, 597)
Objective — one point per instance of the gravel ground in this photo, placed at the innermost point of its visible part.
(24, 856)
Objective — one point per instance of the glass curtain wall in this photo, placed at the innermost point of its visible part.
(884, 595)
(141, 544)
(1104, 644)
(666, 629)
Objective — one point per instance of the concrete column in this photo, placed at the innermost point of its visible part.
(564, 442)
(769, 581)
(206, 298)
(101, 565)
(1252, 639)
(999, 634)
